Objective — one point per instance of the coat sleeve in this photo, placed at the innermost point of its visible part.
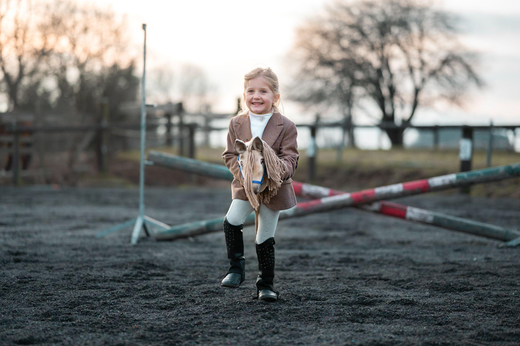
(230, 155)
(289, 151)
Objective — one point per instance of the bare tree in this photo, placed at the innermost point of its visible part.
(25, 43)
(196, 91)
(92, 65)
(62, 54)
(161, 84)
(93, 48)
(399, 55)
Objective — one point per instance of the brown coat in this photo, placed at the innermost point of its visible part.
(280, 133)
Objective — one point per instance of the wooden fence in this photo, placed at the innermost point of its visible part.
(17, 141)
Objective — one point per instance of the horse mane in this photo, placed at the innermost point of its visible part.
(275, 169)
(247, 171)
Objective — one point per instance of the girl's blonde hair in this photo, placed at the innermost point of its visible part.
(272, 81)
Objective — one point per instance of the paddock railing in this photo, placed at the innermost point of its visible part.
(19, 142)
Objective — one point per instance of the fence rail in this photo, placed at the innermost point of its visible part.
(16, 140)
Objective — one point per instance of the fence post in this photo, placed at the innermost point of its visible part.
(466, 153)
(169, 138)
(515, 132)
(181, 129)
(207, 131)
(490, 144)
(239, 105)
(16, 154)
(191, 140)
(311, 155)
(105, 132)
(341, 144)
(436, 137)
(101, 149)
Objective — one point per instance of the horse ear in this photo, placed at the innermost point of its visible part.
(257, 144)
(240, 146)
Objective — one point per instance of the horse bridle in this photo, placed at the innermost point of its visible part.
(242, 174)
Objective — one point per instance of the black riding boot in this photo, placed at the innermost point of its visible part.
(264, 282)
(235, 251)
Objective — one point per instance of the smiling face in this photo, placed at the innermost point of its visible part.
(259, 97)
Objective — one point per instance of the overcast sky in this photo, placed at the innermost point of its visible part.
(228, 38)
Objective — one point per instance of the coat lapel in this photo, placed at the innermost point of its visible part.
(272, 129)
(243, 128)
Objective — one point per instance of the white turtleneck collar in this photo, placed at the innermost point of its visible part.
(268, 115)
(258, 123)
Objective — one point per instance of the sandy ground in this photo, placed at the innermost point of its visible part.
(346, 277)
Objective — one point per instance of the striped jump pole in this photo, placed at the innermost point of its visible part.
(338, 201)
(405, 189)
(416, 214)
(443, 220)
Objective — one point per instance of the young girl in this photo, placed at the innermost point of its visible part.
(260, 117)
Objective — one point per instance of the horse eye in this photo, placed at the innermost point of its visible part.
(262, 161)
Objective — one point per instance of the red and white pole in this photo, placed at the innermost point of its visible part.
(338, 201)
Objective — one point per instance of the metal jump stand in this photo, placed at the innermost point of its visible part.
(142, 221)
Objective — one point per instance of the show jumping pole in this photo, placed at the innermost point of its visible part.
(416, 214)
(142, 220)
(190, 165)
(337, 199)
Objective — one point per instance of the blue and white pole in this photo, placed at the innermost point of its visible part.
(142, 220)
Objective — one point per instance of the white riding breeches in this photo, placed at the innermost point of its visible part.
(239, 210)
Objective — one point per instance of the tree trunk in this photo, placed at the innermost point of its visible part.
(348, 132)
(396, 136)
(13, 99)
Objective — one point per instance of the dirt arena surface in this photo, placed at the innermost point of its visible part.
(346, 277)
